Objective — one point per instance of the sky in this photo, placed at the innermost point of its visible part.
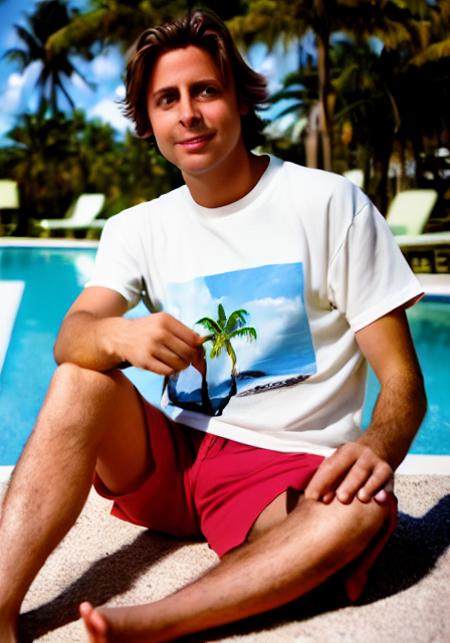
(105, 72)
(17, 90)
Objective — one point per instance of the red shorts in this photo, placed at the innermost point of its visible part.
(204, 486)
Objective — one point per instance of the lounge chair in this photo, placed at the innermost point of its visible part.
(9, 204)
(9, 195)
(355, 176)
(80, 216)
(410, 210)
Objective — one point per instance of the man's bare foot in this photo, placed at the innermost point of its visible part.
(122, 624)
(95, 624)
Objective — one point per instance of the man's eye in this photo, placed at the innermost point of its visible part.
(209, 91)
(166, 99)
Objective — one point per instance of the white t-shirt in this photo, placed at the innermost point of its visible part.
(279, 281)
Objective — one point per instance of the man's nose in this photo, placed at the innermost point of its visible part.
(189, 112)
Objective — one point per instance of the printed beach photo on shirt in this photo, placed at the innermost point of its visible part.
(256, 335)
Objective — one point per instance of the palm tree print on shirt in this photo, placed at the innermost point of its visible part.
(220, 333)
(223, 330)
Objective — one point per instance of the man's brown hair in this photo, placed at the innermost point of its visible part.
(204, 30)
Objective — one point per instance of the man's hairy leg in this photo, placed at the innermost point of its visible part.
(86, 415)
(283, 562)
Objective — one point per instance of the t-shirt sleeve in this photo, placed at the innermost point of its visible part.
(116, 263)
(368, 275)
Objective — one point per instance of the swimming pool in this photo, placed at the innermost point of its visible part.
(53, 277)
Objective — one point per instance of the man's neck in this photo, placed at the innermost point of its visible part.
(227, 185)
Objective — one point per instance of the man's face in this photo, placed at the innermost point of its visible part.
(194, 117)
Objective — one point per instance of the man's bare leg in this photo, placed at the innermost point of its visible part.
(287, 560)
(52, 479)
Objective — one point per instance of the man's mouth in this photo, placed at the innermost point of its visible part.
(196, 141)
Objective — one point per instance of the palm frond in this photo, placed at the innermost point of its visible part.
(210, 324)
(28, 38)
(222, 318)
(433, 53)
(248, 333)
(236, 319)
(18, 55)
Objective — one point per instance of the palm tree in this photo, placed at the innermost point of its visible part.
(375, 94)
(223, 330)
(395, 22)
(49, 16)
(122, 21)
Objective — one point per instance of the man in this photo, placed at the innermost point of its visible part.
(268, 283)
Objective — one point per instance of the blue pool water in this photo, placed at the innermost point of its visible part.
(54, 277)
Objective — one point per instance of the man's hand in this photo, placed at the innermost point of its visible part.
(95, 335)
(161, 344)
(354, 470)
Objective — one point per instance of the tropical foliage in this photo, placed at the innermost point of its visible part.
(50, 16)
(122, 21)
(400, 25)
(377, 89)
(54, 159)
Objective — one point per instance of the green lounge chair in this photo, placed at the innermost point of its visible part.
(410, 210)
(356, 176)
(80, 216)
(9, 204)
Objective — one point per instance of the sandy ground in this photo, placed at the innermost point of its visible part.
(105, 560)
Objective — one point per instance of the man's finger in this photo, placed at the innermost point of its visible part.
(377, 481)
(355, 480)
(329, 474)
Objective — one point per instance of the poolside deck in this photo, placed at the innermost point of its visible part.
(106, 560)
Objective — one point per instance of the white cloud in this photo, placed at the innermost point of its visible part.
(11, 97)
(20, 89)
(120, 91)
(273, 315)
(80, 84)
(16, 80)
(106, 66)
(190, 300)
(109, 111)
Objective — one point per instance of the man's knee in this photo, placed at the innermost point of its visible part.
(351, 525)
(80, 398)
(80, 383)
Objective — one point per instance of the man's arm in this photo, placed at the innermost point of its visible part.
(95, 335)
(362, 468)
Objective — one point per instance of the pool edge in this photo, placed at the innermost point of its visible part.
(413, 465)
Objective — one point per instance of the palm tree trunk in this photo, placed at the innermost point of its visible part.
(312, 138)
(381, 169)
(323, 67)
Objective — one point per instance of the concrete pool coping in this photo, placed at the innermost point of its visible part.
(412, 465)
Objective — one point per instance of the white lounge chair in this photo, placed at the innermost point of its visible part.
(80, 216)
(410, 210)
